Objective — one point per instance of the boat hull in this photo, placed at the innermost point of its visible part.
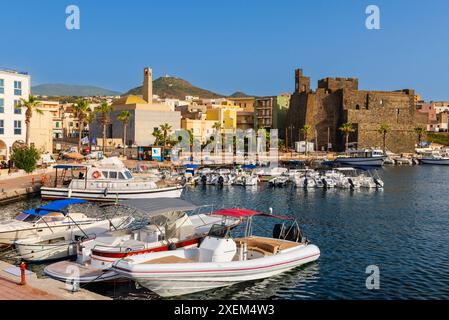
(374, 161)
(46, 252)
(176, 279)
(444, 162)
(111, 196)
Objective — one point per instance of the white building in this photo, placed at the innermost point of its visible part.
(13, 86)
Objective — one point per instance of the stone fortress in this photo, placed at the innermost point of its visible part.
(339, 100)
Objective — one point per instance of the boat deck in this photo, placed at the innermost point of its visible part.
(169, 259)
(266, 246)
(65, 268)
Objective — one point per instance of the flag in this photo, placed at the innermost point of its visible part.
(85, 140)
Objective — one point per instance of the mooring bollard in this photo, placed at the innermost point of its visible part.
(22, 273)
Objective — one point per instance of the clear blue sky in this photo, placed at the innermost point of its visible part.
(224, 46)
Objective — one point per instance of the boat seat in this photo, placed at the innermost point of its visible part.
(169, 259)
(260, 246)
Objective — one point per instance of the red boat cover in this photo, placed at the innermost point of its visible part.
(240, 213)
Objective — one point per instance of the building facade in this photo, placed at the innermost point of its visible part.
(271, 112)
(339, 100)
(14, 85)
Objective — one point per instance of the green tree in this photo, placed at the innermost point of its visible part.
(25, 158)
(346, 129)
(305, 130)
(159, 137)
(384, 129)
(124, 117)
(81, 109)
(30, 105)
(420, 132)
(104, 118)
(165, 129)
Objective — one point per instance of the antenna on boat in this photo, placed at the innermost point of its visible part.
(271, 210)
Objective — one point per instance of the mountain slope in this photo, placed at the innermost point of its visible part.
(171, 87)
(59, 89)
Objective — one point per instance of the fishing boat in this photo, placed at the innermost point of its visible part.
(221, 260)
(364, 157)
(106, 182)
(168, 228)
(44, 221)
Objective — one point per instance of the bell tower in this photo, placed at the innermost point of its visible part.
(147, 89)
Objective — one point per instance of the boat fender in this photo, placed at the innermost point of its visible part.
(105, 192)
(172, 246)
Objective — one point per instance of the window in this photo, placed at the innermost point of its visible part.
(105, 174)
(57, 124)
(17, 127)
(112, 175)
(2, 126)
(128, 174)
(2, 106)
(17, 110)
(121, 176)
(17, 88)
(2, 86)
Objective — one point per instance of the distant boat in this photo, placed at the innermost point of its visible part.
(434, 159)
(365, 157)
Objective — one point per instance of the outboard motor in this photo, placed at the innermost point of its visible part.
(351, 183)
(203, 179)
(220, 180)
(324, 183)
(306, 182)
(378, 184)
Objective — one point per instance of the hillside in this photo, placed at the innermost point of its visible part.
(171, 87)
(59, 89)
(239, 94)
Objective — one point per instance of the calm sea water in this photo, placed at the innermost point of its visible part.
(402, 229)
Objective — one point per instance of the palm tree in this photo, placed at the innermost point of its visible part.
(30, 105)
(346, 129)
(104, 118)
(217, 126)
(384, 129)
(420, 132)
(124, 117)
(90, 118)
(80, 110)
(165, 129)
(306, 131)
(157, 133)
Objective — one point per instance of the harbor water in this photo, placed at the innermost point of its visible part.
(401, 230)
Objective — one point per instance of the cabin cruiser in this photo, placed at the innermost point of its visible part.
(105, 182)
(246, 179)
(346, 178)
(279, 181)
(221, 260)
(62, 243)
(434, 158)
(168, 227)
(44, 221)
(365, 157)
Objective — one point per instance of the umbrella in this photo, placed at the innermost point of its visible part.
(74, 155)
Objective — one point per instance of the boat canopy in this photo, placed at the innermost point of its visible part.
(249, 166)
(241, 213)
(191, 166)
(70, 166)
(55, 206)
(158, 206)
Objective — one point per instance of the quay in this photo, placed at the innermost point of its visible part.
(38, 288)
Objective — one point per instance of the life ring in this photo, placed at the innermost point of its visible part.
(96, 174)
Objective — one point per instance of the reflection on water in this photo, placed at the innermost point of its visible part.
(401, 229)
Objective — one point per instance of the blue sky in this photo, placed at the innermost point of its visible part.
(225, 46)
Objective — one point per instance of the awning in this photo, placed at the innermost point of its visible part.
(55, 206)
(70, 166)
(158, 206)
(242, 213)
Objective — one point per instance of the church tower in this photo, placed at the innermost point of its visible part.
(147, 89)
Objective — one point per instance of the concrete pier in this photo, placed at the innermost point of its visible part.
(38, 288)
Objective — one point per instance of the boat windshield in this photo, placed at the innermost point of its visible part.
(128, 174)
(27, 217)
(219, 231)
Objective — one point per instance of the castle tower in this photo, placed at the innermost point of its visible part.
(302, 84)
(147, 88)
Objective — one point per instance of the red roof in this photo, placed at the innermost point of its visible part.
(236, 212)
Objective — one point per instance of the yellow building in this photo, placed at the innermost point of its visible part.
(201, 129)
(225, 113)
(41, 126)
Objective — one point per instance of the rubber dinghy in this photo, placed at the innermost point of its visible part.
(221, 260)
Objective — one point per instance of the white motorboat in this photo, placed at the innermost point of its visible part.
(44, 221)
(246, 180)
(221, 260)
(279, 181)
(169, 228)
(106, 182)
(63, 244)
(434, 158)
(365, 157)
(347, 178)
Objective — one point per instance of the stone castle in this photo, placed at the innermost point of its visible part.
(339, 100)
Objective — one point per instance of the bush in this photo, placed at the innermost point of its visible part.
(438, 137)
(25, 158)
